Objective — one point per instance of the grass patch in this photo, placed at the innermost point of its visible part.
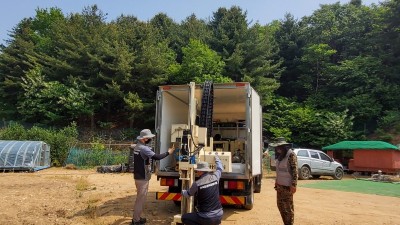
(60, 177)
(91, 210)
(94, 199)
(82, 184)
(358, 186)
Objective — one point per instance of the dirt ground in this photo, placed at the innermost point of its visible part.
(61, 196)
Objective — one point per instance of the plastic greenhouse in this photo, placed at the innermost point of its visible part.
(24, 155)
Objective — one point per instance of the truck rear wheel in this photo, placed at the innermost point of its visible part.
(250, 200)
(257, 184)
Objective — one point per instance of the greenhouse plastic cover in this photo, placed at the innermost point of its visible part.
(24, 155)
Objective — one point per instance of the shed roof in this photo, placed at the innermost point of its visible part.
(352, 145)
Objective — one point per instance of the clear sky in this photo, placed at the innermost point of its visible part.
(262, 11)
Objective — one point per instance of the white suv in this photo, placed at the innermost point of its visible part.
(315, 163)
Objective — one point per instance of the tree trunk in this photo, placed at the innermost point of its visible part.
(92, 124)
(131, 122)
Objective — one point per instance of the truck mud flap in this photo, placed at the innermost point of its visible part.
(168, 196)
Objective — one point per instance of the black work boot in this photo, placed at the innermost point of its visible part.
(137, 223)
(142, 221)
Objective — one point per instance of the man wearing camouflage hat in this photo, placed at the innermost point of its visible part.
(286, 180)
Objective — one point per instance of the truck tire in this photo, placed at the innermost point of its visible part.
(250, 201)
(257, 184)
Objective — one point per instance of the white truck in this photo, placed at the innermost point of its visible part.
(202, 120)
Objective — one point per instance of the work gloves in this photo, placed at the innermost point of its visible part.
(185, 193)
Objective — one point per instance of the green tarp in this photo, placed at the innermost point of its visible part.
(352, 145)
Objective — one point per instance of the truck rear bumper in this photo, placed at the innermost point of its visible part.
(168, 196)
(225, 200)
(161, 174)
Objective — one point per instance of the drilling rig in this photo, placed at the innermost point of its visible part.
(200, 121)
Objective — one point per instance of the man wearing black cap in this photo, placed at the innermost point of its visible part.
(286, 180)
(142, 156)
(206, 189)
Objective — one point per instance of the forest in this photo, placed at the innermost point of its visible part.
(331, 76)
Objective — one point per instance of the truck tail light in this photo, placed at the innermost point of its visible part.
(239, 185)
(169, 182)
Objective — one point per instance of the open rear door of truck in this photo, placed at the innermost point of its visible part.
(255, 132)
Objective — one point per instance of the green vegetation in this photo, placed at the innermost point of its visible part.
(60, 140)
(330, 76)
(358, 186)
(89, 158)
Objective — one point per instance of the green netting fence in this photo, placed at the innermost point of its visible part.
(88, 158)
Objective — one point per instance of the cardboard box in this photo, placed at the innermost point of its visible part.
(221, 146)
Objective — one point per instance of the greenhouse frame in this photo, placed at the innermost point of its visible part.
(24, 155)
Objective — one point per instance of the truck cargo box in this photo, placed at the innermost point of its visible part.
(235, 133)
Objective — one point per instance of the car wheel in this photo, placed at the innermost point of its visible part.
(338, 174)
(305, 173)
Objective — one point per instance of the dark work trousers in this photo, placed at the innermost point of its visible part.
(194, 219)
(284, 199)
(142, 187)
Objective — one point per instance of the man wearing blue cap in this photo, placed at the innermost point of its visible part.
(206, 188)
(142, 156)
